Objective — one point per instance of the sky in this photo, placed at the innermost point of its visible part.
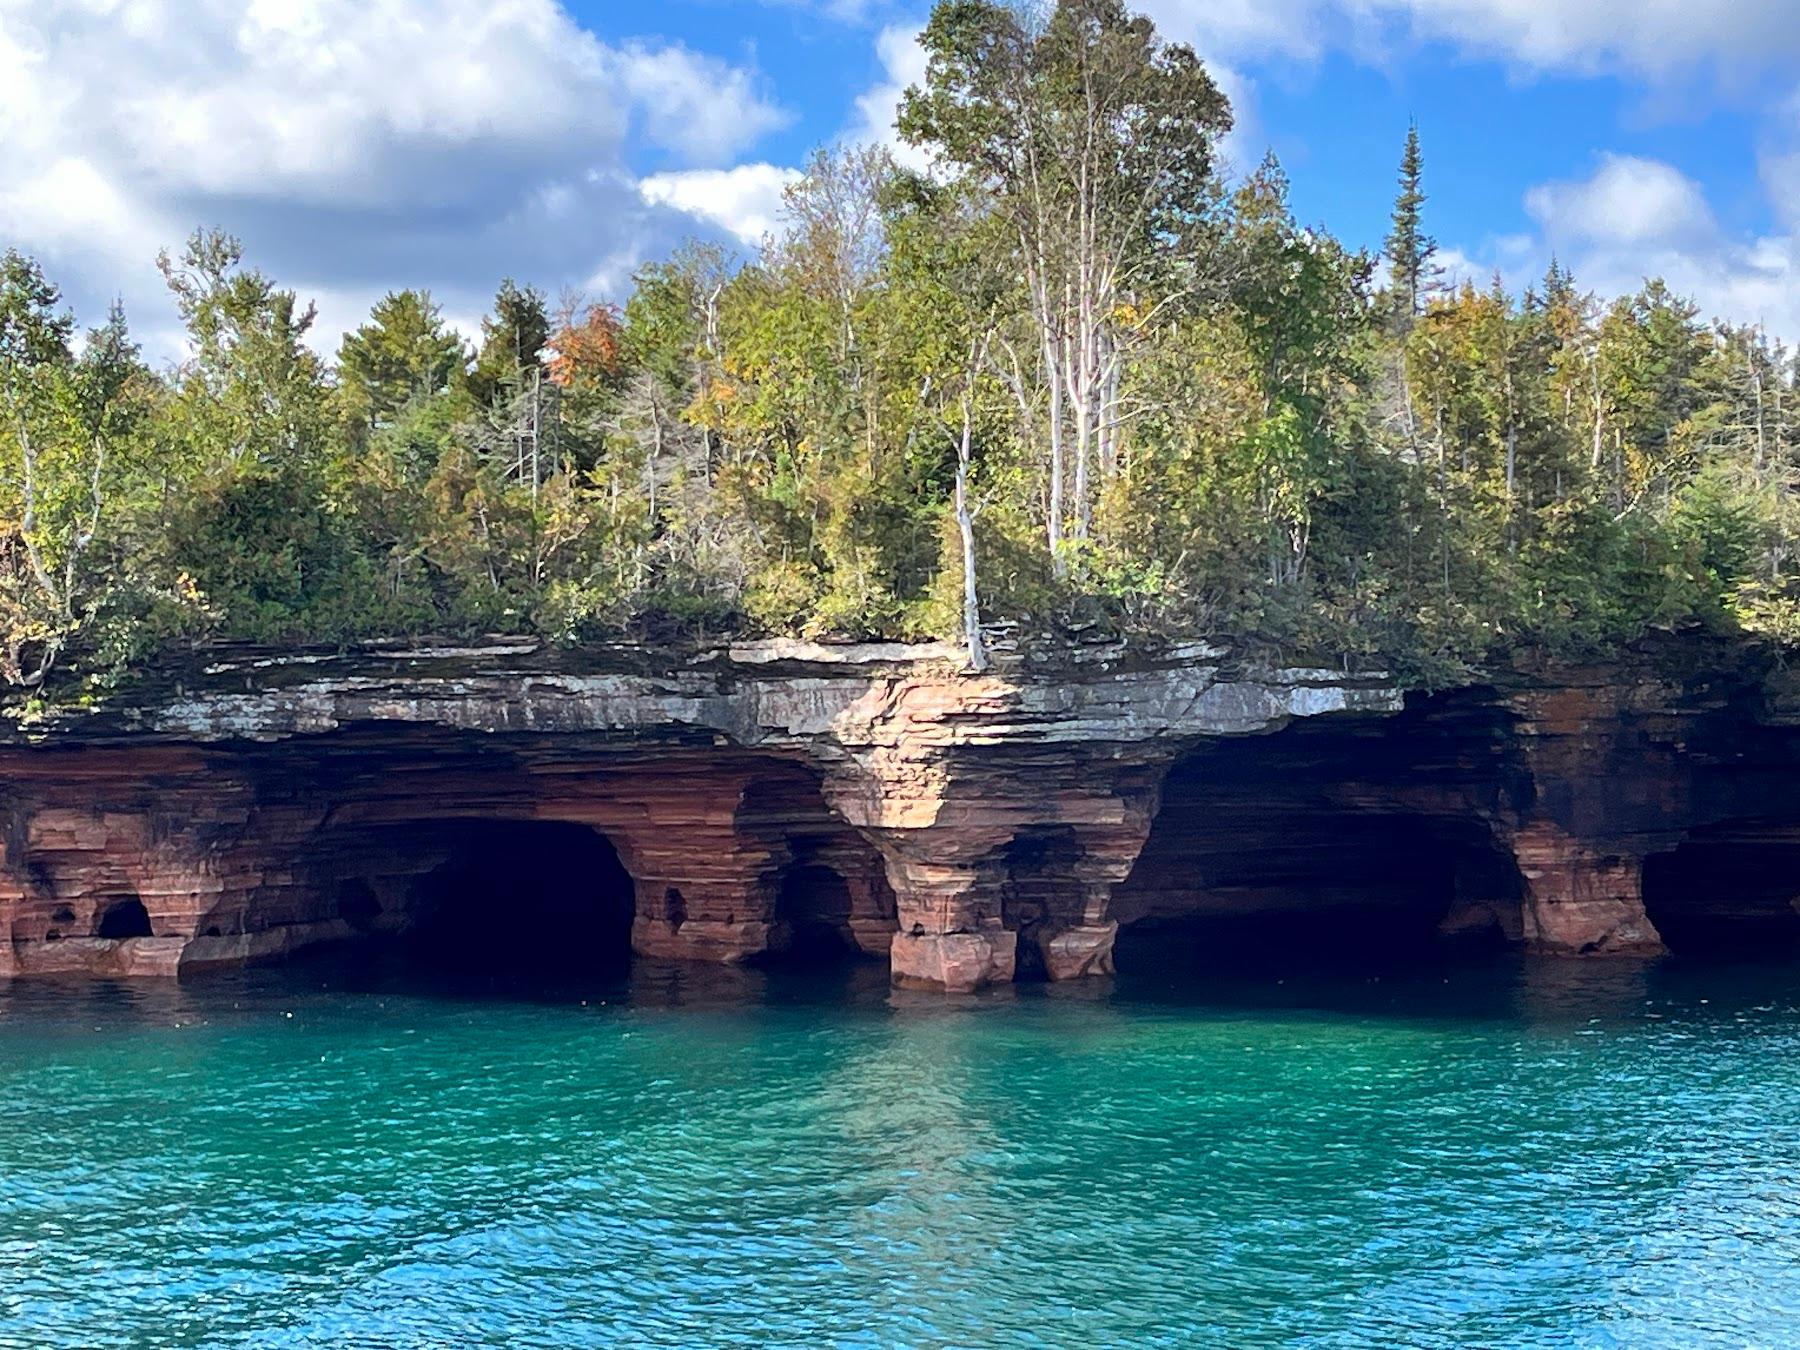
(358, 146)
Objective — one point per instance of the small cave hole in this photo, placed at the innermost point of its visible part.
(1038, 864)
(674, 906)
(63, 914)
(126, 918)
(812, 911)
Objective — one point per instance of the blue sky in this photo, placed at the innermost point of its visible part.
(361, 144)
(1492, 127)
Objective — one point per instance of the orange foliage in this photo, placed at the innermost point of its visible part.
(586, 346)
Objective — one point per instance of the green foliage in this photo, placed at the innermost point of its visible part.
(1172, 408)
(404, 355)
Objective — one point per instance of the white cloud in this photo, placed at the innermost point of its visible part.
(1656, 37)
(355, 145)
(696, 105)
(903, 64)
(1236, 30)
(1627, 201)
(746, 200)
(1633, 218)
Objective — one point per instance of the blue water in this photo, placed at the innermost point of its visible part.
(1520, 1153)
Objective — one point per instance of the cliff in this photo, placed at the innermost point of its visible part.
(753, 801)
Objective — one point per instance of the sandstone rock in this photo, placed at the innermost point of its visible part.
(978, 827)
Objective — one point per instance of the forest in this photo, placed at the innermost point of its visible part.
(1076, 379)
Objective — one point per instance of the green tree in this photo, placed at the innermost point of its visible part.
(403, 354)
(1093, 139)
(66, 422)
(1409, 249)
(251, 389)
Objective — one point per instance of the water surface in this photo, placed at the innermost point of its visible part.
(1517, 1153)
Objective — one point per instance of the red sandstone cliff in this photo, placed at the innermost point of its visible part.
(968, 828)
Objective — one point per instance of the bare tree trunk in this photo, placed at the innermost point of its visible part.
(1054, 525)
(965, 525)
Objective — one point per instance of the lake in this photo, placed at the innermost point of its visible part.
(1501, 1152)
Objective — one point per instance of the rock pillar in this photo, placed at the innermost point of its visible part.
(1609, 781)
(1004, 872)
(1581, 899)
(705, 886)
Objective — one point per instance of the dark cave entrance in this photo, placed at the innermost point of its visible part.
(1037, 866)
(1336, 892)
(520, 897)
(1730, 891)
(1336, 844)
(122, 917)
(813, 909)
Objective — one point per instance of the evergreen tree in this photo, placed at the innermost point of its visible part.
(402, 354)
(1409, 249)
(513, 339)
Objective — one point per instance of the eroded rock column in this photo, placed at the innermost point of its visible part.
(1004, 873)
(1581, 898)
(1610, 785)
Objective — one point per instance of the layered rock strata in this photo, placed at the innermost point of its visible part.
(969, 829)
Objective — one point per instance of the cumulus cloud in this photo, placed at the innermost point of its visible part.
(1626, 202)
(902, 66)
(696, 105)
(1635, 218)
(1656, 37)
(353, 144)
(746, 200)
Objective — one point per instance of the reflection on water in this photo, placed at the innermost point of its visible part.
(1478, 1151)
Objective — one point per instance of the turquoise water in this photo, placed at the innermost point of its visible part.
(1514, 1154)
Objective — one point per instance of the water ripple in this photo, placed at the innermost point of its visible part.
(1529, 1155)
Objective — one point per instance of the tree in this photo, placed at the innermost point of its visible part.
(1409, 249)
(251, 389)
(404, 353)
(1302, 302)
(1093, 140)
(506, 383)
(65, 418)
(513, 339)
(965, 512)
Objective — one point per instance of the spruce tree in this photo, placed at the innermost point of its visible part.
(1409, 249)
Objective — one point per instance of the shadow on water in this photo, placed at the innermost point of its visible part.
(1447, 982)
(384, 977)
(1161, 979)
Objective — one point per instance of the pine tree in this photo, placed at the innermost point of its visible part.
(1409, 249)
(403, 353)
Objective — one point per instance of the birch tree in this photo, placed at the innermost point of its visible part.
(1094, 140)
(62, 420)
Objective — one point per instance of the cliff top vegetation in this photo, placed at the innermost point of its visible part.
(1074, 378)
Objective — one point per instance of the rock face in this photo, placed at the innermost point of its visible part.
(778, 799)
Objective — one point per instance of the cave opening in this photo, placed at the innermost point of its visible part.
(1343, 892)
(1037, 865)
(813, 909)
(1729, 892)
(1345, 846)
(518, 897)
(357, 904)
(123, 917)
